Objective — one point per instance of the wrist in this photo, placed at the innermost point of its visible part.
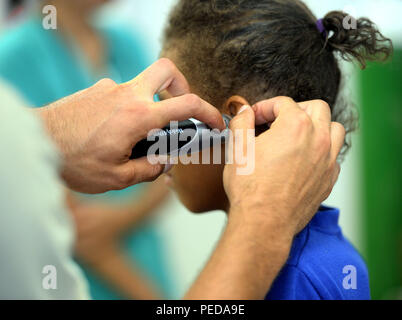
(246, 261)
(261, 244)
(265, 219)
(49, 121)
(59, 123)
(267, 230)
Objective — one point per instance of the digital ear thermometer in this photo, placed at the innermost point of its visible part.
(187, 136)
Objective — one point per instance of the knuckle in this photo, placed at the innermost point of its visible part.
(123, 181)
(124, 91)
(124, 178)
(325, 104)
(127, 86)
(167, 64)
(285, 100)
(302, 120)
(155, 173)
(192, 101)
(106, 83)
(338, 126)
(322, 104)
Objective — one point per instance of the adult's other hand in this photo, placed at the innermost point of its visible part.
(295, 161)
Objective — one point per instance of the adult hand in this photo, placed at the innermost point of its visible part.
(97, 128)
(295, 161)
(295, 170)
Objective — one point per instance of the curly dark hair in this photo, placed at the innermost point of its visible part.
(264, 48)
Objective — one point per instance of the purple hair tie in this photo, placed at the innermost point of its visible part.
(321, 28)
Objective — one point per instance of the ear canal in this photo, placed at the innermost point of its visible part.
(232, 109)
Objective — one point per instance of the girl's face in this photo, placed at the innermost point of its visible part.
(199, 186)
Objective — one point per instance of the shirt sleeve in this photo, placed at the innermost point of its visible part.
(36, 233)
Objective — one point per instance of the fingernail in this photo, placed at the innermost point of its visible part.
(243, 108)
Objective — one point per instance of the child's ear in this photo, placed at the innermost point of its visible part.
(232, 105)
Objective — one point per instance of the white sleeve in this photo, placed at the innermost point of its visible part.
(35, 227)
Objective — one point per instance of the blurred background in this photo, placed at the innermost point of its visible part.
(148, 218)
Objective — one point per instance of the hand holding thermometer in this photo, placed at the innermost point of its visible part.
(190, 135)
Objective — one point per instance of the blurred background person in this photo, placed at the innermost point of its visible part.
(117, 244)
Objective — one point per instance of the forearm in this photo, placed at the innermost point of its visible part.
(245, 262)
(123, 275)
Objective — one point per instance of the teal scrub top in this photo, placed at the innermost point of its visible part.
(44, 68)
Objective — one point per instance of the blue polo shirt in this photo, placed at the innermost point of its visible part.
(322, 265)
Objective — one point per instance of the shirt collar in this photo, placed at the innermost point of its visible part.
(326, 220)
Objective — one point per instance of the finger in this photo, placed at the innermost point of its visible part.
(268, 111)
(162, 75)
(245, 119)
(318, 110)
(338, 134)
(142, 170)
(240, 126)
(185, 107)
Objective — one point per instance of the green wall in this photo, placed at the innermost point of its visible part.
(381, 128)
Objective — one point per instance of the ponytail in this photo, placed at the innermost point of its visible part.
(355, 39)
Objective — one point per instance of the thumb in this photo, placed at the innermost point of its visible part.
(144, 170)
(245, 119)
(240, 127)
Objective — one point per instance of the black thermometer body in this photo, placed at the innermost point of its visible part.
(191, 135)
